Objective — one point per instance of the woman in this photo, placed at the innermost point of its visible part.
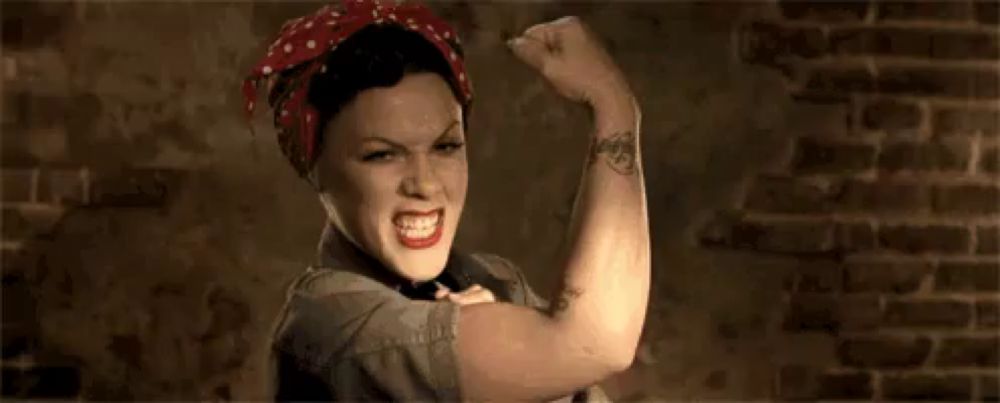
(371, 103)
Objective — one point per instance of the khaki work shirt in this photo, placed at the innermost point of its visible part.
(346, 336)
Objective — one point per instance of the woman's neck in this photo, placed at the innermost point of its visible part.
(336, 250)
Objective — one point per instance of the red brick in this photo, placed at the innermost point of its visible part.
(987, 11)
(987, 314)
(894, 117)
(886, 277)
(930, 81)
(883, 351)
(883, 196)
(927, 387)
(930, 238)
(969, 352)
(988, 240)
(929, 10)
(915, 42)
(830, 313)
(797, 382)
(788, 237)
(786, 195)
(924, 157)
(60, 186)
(825, 11)
(934, 313)
(839, 81)
(955, 121)
(779, 237)
(854, 237)
(771, 44)
(804, 383)
(989, 161)
(880, 41)
(817, 157)
(819, 119)
(14, 151)
(845, 386)
(968, 276)
(965, 45)
(13, 29)
(989, 388)
(17, 184)
(819, 276)
(29, 24)
(967, 199)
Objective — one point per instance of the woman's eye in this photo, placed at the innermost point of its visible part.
(449, 147)
(377, 156)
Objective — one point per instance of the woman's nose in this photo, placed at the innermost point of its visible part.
(421, 180)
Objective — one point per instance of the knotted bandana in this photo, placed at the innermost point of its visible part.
(300, 51)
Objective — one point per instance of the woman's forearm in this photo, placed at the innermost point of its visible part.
(601, 304)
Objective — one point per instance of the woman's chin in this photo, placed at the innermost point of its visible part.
(421, 265)
(421, 257)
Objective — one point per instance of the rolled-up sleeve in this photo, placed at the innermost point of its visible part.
(370, 343)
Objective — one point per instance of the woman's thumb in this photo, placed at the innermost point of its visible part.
(442, 291)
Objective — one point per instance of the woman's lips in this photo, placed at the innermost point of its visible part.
(419, 230)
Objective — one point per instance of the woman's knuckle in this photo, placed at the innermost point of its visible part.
(534, 29)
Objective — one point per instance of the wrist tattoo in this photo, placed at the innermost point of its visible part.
(565, 298)
(618, 151)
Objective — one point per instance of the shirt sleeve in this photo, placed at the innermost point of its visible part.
(521, 291)
(370, 343)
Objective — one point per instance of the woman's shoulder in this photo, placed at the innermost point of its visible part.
(317, 281)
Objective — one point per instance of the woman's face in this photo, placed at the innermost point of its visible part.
(394, 174)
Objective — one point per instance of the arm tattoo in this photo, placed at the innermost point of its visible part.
(565, 298)
(618, 152)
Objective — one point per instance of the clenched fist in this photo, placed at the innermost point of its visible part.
(575, 63)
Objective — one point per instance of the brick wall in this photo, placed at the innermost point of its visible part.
(147, 238)
(42, 178)
(890, 206)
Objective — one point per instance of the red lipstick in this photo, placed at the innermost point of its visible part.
(412, 228)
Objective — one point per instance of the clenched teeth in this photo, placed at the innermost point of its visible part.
(408, 223)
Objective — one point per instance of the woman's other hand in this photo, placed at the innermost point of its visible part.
(573, 60)
(473, 295)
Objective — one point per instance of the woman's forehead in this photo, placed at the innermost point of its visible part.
(420, 107)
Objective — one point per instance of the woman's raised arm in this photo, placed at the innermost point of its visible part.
(593, 326)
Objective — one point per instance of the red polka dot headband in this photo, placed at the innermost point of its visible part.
(301, 48)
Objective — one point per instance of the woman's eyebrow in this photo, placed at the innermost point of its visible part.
(381, 139)
(447, 129)
(443, 134)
